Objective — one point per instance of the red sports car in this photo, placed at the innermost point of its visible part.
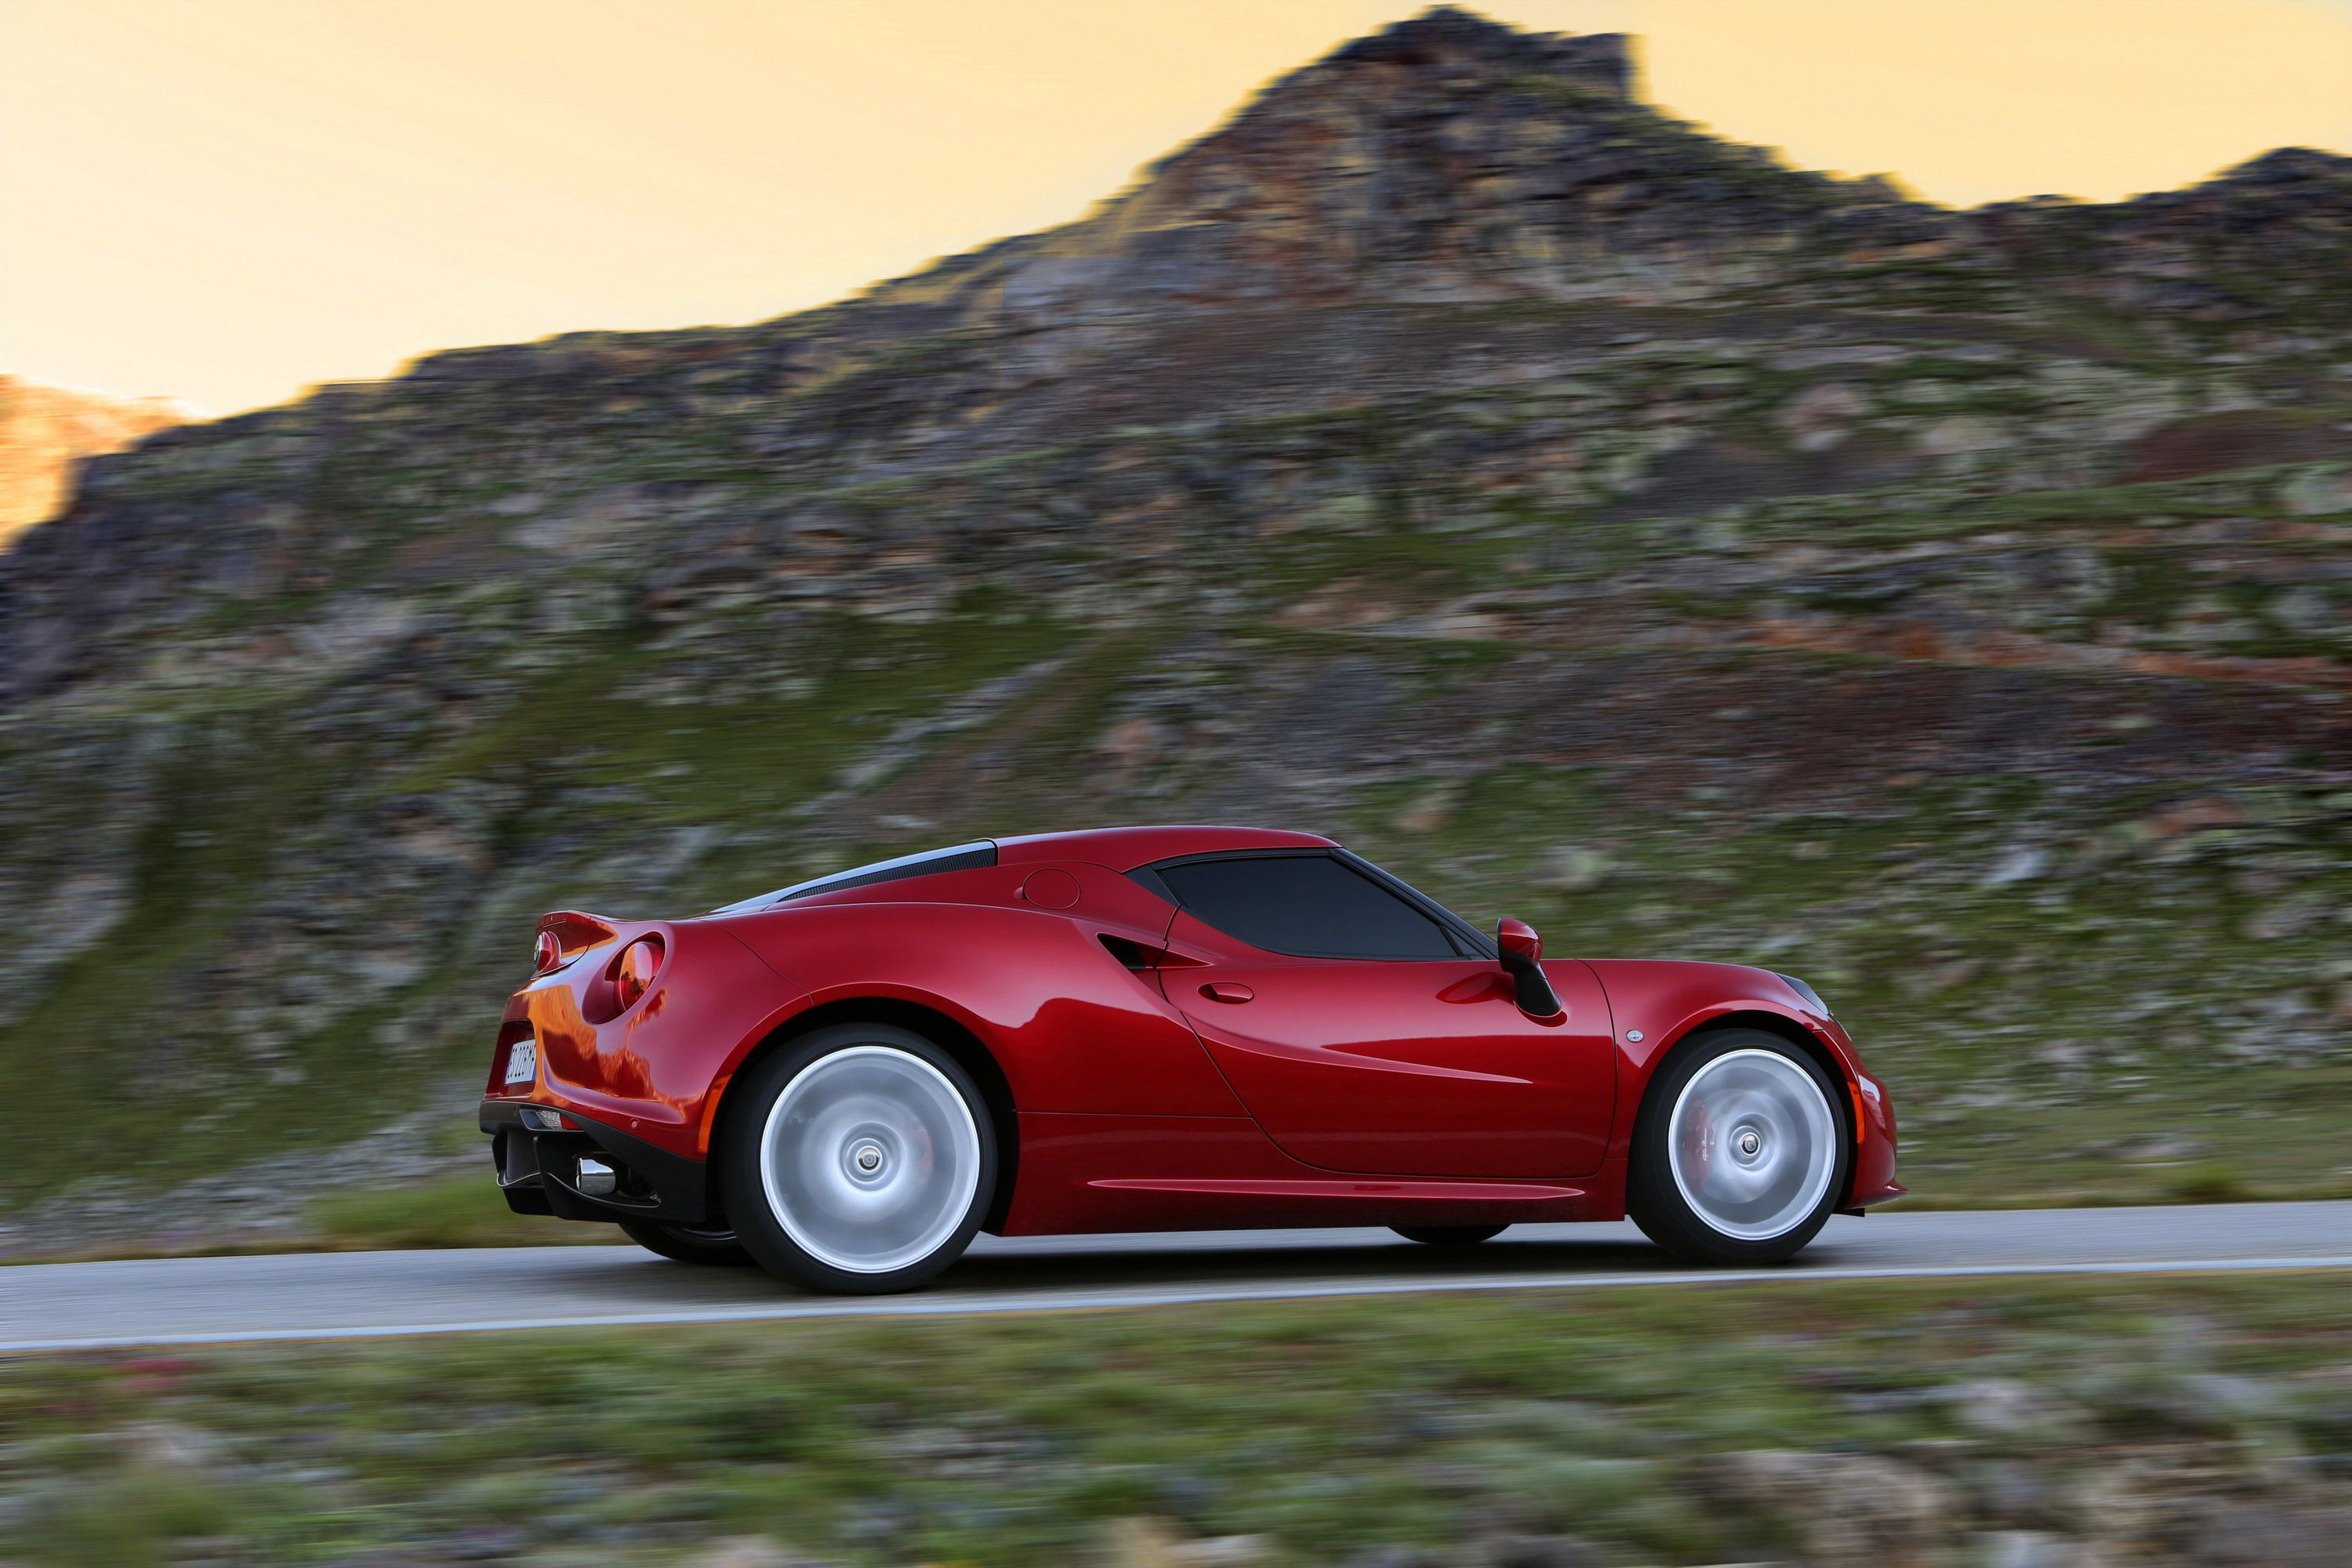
(1154, 1028)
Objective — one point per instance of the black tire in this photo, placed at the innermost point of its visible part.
(745, 1189)
(1449, 1236)
(710, 1247)
(1655, 1199)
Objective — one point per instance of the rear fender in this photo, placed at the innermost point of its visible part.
(1070, 1026)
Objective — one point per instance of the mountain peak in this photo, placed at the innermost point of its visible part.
(46, 430)
(1450, 35)
(1445, 156)
(2288, 166)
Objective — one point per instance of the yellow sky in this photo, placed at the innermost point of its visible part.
(223, 200)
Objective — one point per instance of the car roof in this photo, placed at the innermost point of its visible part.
(1120, 848)
(1125, 848)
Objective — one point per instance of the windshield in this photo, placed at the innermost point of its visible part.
(954, 857)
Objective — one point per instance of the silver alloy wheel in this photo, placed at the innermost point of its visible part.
(869, 1159)
(1752, 1144)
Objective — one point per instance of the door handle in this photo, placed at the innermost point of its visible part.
(1226, 991)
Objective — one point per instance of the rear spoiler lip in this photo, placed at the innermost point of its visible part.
(578, 930)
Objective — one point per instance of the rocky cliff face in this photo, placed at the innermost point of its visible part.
(46, 430)
(1452, 452)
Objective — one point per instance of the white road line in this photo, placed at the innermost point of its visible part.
(1083, 1300)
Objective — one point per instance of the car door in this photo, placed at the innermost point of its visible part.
(1358, 1026)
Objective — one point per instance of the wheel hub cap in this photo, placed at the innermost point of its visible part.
(1752, 1144)
(869, 1159)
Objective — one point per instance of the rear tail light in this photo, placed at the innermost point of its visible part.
(633, 975)
(547, 954)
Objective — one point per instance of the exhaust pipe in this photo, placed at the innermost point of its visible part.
(595, 1178)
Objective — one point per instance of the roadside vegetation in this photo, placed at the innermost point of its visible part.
(2144, 1421)
(456, 1211)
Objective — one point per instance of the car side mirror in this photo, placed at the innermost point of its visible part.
(1520, 950)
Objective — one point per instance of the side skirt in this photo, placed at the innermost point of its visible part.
(1083, 1173)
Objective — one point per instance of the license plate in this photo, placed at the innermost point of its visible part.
(522, 1061)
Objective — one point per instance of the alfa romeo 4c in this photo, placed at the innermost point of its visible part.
(1154, 1028)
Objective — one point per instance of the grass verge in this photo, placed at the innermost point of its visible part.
(454, 1211)
(1893, 1422)
(458, 1211)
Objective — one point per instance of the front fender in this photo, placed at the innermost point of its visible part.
(1666, 1002)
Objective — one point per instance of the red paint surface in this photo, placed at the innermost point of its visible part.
(1424, 1069)
(1217, 1172)
(1336, 1093)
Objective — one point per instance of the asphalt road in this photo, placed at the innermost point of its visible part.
(313, 1296)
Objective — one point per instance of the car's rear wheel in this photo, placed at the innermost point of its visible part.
(1741, 1152)
(687, 1242)
(859, 1160)
(1449, 1235)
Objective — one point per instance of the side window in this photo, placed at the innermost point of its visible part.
(1308, 905)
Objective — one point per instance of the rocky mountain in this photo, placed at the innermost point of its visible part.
(46, 430)
(1587, 516)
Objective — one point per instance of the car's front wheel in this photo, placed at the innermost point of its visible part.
(1741, 1153)
(858, 1160)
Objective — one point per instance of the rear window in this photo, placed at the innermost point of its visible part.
(954, 857)
(1311, 905)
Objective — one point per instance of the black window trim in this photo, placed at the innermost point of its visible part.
(967, 856)
(1465, 937)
